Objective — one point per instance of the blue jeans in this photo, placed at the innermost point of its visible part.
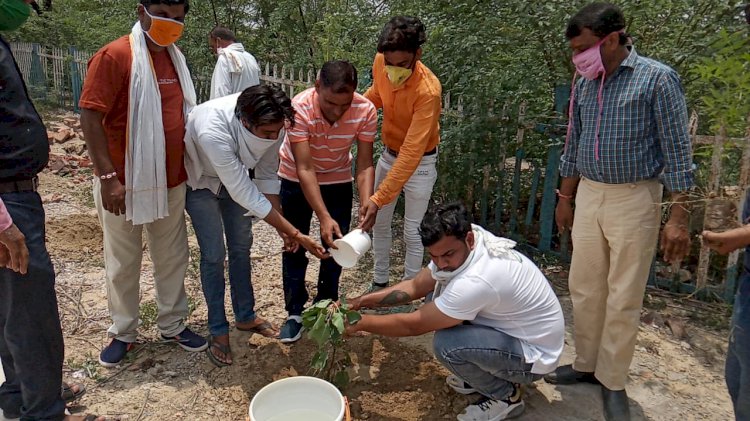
(485, 358)
(215, 216)
(738, 354)
(338, 201)
(31, 341)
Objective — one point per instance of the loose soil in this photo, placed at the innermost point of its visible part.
(672, 377)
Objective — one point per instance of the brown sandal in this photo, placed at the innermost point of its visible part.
(224, 349)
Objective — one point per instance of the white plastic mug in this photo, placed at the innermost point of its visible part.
(350, 248)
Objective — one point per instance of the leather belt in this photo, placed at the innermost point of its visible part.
(19, 185)
(433, 151)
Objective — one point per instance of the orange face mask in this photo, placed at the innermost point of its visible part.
(164, 32)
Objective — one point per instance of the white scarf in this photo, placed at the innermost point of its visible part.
(146, 198)
(233, 54)
(484, 241)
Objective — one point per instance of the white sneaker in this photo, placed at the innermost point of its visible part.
(487, 409)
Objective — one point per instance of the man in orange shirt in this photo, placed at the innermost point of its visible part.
(316, 176)
(410, 96)
(135, 100)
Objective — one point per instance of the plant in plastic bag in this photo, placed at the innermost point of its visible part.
(325, 323)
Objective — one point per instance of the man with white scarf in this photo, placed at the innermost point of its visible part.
(135, 100)
(497, 322)
(236, 69)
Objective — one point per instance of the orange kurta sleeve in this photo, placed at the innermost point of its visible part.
(425, 122)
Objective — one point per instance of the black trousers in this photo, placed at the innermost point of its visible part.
(31, 341)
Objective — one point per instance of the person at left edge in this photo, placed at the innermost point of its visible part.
(31, 340)
(134, 125)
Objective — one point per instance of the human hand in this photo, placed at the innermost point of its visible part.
(113, 196)
(368, 210)
(564, 215)
(15, 254)
(727, 241)
(675, 242)
(312, 246)
(329, 231)
(290, 245)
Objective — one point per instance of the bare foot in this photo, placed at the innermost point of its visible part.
(259, 326)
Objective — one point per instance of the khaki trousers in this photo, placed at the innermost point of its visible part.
(123, 250)
(614, 234)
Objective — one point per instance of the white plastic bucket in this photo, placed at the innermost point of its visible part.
(350, 248)
(296, 399)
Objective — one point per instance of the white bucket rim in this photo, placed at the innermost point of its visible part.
(319, 381)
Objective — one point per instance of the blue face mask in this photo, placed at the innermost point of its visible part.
(13, 14)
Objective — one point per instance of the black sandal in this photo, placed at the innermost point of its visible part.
(224, 349)
(69, 395)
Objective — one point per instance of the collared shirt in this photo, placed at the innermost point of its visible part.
(644, 128)
(235, 71)
(411, 122)
(219, 150)
(330, 144)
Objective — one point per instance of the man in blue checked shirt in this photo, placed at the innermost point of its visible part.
(627, 138)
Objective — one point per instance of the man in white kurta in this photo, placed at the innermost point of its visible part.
(236, 69)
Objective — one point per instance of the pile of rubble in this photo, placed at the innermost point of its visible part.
(68, 153)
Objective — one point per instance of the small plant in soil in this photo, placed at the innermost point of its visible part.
(325, 323)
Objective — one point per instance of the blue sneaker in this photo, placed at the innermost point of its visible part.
(291, 331)
(113, 354)
(189, 341)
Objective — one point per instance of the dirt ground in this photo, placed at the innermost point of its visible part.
(673, 376)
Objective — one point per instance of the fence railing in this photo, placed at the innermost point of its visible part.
(511, 190)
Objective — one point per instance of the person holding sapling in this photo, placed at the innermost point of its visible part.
(497, 322)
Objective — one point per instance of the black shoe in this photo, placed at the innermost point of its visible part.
(615, 405)
(566, 375)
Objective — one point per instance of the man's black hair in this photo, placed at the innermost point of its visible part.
(264, 104)
(338, 75)
(451, 219)
(223, 33)
(147, 3)
(600, 18)
(402, 33)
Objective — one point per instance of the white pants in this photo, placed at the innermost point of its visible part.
(417, 192)
(123, 250)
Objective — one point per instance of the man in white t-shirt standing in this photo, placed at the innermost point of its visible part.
(497, 322)
(236, 69)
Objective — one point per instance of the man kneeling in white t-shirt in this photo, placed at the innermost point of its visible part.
(497, 322)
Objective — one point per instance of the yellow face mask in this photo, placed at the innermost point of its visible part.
(397, 75)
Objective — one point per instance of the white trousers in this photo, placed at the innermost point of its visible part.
(417, 192)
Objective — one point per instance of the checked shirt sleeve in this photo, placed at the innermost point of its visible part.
(671, 116)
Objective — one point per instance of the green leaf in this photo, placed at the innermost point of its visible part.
(353, 317)
(319, 361)
(338, 322)
(341, 379)
(319, 332)
(323, 303)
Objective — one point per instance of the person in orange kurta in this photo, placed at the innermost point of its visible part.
(410, 96)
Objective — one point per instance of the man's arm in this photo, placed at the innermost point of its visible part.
(402, 293)
(671, 117)
(365, 184)
(423, 125)
(568, 172)
(727, 241)
(112, 191)
(427, 319)
(329, 228)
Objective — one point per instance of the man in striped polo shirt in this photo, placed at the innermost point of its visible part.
(316, 176)
(628, 138)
